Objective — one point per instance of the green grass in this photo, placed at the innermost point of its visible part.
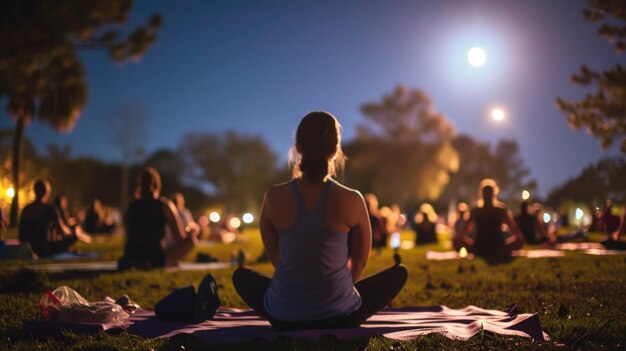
(580, 299)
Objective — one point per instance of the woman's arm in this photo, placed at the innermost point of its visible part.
(269, 234)
(172, 220)
(463, 240)
(360, 238)
(517, 233)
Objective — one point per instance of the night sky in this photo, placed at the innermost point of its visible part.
(259, 66)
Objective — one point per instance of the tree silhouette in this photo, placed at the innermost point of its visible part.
(603, 112)
(479, 160)
(238, 167)
(405, 153)
(606, 179)
(41, 75)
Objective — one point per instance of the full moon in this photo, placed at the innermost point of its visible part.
(497, 114)
(476, 57)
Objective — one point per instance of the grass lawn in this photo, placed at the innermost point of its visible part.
(581, 299)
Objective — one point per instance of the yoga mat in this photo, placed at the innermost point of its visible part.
(112, 266)
(234, 325)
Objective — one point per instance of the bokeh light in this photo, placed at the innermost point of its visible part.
(214, 217)
(476, 57)
(463, 252)
(10, 192)
(395, 240)
(525, 195)
(546, 218)
(579, 214)
(235, 222)
(247, 218)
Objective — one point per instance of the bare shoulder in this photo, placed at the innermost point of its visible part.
(278, 191)
(348, 194)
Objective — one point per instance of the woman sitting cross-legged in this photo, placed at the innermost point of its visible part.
(488, 219)
(146, 220)
(318, 237)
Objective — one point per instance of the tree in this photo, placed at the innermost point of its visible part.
(404, 154)
(41, 75)
(239, 168)
(479, 160)
(598, 182)
(603, 112)
(129, 128)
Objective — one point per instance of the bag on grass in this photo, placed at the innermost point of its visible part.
(64, 304)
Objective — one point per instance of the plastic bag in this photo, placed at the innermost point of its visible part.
(64, 304)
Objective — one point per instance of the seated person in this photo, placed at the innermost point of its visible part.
(378, 224)
(488, 218)
(612, 226)
(528, 223)
(95, 221)
(318, 237)
(42, 226)
(185, 215)
(146, 220)
(3, 224)
(462, 218)
(425, 225)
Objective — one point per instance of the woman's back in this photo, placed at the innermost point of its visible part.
(312, 280)
(489, 239)
(145, 227)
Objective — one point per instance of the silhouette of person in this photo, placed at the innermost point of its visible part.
(425, 225)
(186, 218)
(462, 218)
(145, 221)
(42, 226)
(488, 218)
(304, 225)
(379, 232)
(95, 219)
(528, 223)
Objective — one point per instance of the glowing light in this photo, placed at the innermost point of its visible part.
(476, 57)
(10, 192)
(546, 218)
(463, 252)
(395, 240)
(247, 218)
(579, 214)
(497, 114)
(525, 195)
(235, 222)
(214, 217)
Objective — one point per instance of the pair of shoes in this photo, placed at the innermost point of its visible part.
(185, 305)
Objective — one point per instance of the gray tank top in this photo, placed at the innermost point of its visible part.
(312, 280)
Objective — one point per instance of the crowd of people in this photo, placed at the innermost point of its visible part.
(316, 232)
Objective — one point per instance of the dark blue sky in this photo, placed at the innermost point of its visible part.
(259, 66)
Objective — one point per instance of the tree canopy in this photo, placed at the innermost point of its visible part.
(41, 74)
(404, 153)
(598, 182)
(238, 168)
(480, 160)
(602, 112)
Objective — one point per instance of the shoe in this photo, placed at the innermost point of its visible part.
(178, 306)
(207, 301)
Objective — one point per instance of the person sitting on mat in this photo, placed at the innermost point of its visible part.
(145, 221)
(318, 237)
(488, 219)
(42, 226)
